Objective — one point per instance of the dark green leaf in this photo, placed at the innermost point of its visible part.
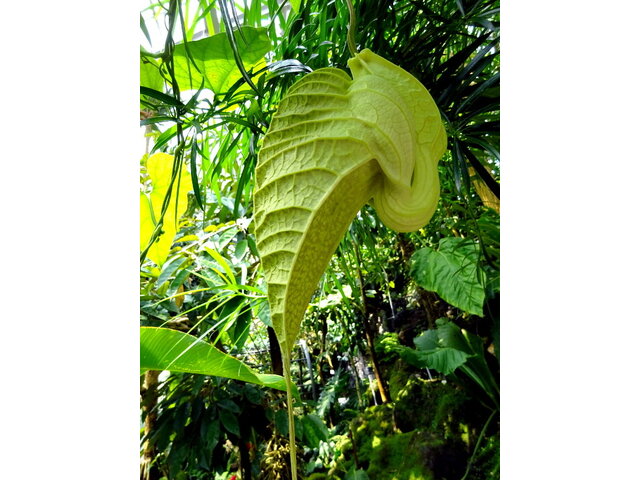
(354, 474)
(194, 173)
(230, 405)
(163, 97)
(315, 430)
(230, 422)
(452, 272)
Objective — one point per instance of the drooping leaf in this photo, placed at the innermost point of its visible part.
(214, 62)
(166, 349)
(334, 145)
(448, 348)
(452, 272)
(443, 360)
(159, 168)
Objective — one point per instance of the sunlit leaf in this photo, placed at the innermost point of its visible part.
(214, 62)
(150, 75)
(166, 349)
(295, 5)
(159, 167)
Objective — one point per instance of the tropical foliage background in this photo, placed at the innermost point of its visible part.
(397, 367)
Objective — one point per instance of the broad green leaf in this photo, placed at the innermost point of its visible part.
(448, 347)
(230, 422)
(166, 349)
(334, 145)
(443, 360)
(429, 354)
(315, 431)
(452, 272)
(213, 59)
(150, 75)
(159, 168)
(427, 340)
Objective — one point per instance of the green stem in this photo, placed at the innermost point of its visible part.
(475, 450)
(351, 42)
(286, 360)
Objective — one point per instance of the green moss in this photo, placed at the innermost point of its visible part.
(382, 451)
(397, 458)
(431, 444)
(399, 374)
(430, 404)
(486, 465)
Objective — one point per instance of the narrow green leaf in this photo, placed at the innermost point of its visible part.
(166, 349)
(169, 269)
(181, 276)
(143, 27)
(164, 138)
(194, 173)
(163, 97)
(231, 277)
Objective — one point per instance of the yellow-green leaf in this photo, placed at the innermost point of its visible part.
(213, 59)
(295, 5)
(335, 144)
(166, 349)
(159, 168)
(150, 75)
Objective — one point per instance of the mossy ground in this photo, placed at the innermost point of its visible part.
(422, 435)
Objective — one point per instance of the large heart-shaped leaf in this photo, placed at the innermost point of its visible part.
(213, 60)
(452, 272)
(335, 144)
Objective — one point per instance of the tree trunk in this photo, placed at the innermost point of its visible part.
(274, 352)
(368, 330)
(149, 394)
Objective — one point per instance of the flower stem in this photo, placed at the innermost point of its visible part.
(351, 42)
(292, 430)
